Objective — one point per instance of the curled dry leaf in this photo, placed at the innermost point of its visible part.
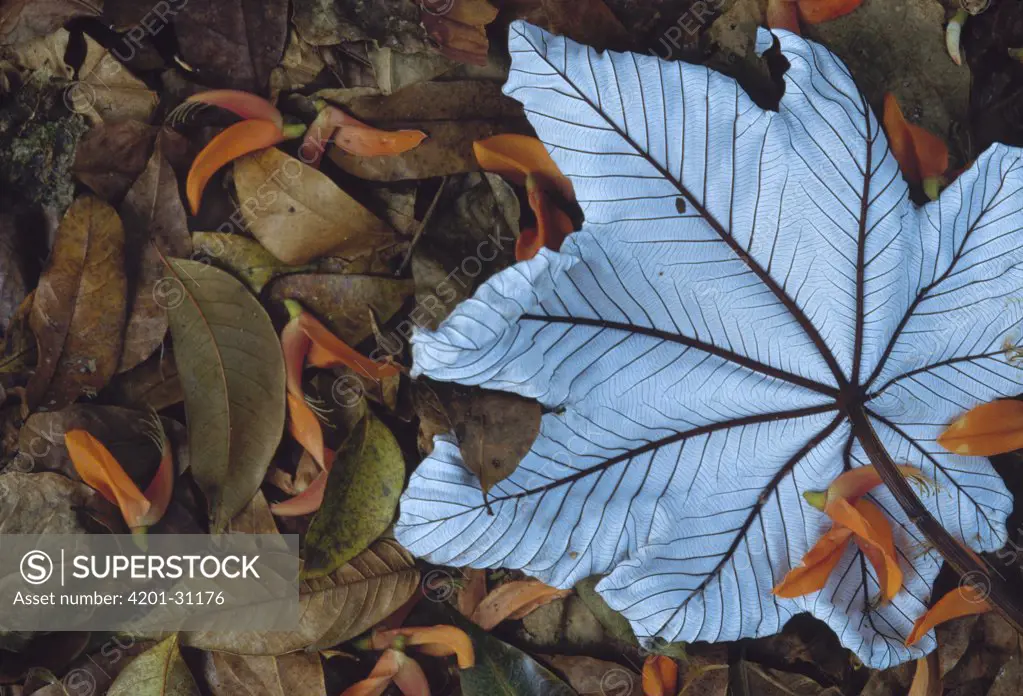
(232, 372)
(160, 671)
(78, 313)
(23, 496)
(360, 499)
(299, 214)
(514, 599)
(24, 20)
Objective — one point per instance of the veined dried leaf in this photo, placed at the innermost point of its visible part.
(986, 430)
(106, 91)
(299, 214)
(24, 20)
(245, 258)
(112, 156)
(160, 671)
(232, 372)
(362, 494)
(294, 674)
(231, 143)
(334, 608)
(78, 314)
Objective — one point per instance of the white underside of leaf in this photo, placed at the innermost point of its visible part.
(678, 469)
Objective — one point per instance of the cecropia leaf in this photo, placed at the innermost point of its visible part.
(745, 279)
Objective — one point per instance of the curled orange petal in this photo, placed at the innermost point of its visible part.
(988, 429)
(875, 541)
(228, 145)
(510, 598)
(920, 153)
(384, 671)
(818, 11)
(244, 104)
(439, 641)
(354, 137)
(660, 676)
(328, 350)
(99, 469)
(516, 156)
(161, 488)
(964, 600)
(410, 678)
(305, 427)
(818, 563)
(856, 483)
(783, 14)
(552, 223)
(310, 499)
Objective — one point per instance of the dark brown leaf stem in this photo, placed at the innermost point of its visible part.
(967, 564)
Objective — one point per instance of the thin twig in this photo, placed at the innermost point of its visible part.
(422, 226)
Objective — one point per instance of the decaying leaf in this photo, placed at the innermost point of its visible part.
(588, 675)
(160, 671)
(245, 258)
(360, 500)
(296, 674)
(22, 496)
(299, 214)
(751, 308)
(78, 314)
(494, 431)
(154, 222)
(106, 91)
(345, 301)
(514, 599)
(233, 43)
(112, 156)
(232, 372)
(24, 20)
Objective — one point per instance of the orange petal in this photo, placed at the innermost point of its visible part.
(818, 563)
(328, 350)
(552, 223)
(515, 156)
(510, 598)
(962, 601)
(439, 641)
(873, 534)
(380, 678)
(161, 488)
(244, 104)
(920, 153)
(988, 429)
(310, 499)
(354, 137)
(305, 427)
(660, 676)
(473, 12)
(856, 483)
(228, 145)
(409, 678)
(295, 345)
(783, 14)
(461, 42)
(817, 11)
(99, 469)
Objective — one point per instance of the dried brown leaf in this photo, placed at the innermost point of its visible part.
(78, 314)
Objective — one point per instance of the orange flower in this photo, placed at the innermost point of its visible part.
(922, 156)
(394, 667)
(962, 601)
(99, 469)
(353, 136)
(988, 429)
(552, 224)
(866, 524)
(856, 483)
(660, 676)
(785, 14)
(438, 641)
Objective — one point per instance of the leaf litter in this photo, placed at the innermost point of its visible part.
(383, 183)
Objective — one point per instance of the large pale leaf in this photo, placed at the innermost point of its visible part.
(232, 372)
(746, 283)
